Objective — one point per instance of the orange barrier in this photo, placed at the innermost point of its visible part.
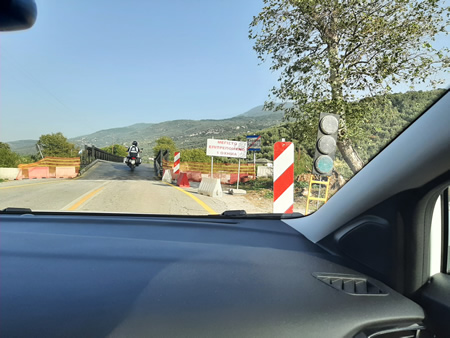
(65, 172)
(54, 162)
(21, 175)
(205, 168)
(50, 167)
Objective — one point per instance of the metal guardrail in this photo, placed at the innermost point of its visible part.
(92, 153)
(158, 163)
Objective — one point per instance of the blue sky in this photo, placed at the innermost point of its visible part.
(83, 68)
(92, 65)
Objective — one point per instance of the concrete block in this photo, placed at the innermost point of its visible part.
(210, 187)
(237, 192)
(264, 171)
(9, 173)
(225, 179)
(167, 177)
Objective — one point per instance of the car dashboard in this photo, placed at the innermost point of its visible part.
(75, 275)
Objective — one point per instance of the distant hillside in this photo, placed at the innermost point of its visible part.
(23, 147)
(259, 111)
(185, 133)
(193, 134)
(256, 112)
(379, 129)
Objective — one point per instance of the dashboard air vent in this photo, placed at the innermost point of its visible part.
(412, 331)
(354, 285)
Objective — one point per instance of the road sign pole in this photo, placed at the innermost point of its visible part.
(254, 165)
(239, 173)
(212, 166)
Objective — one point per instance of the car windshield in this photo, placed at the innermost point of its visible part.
(210, 107)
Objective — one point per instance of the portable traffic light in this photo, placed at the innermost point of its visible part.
(326, 144)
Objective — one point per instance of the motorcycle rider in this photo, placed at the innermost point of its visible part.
(134, 151)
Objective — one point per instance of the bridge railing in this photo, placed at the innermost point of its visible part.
(92, 153)
(158, 163)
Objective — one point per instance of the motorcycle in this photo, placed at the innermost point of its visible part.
(132, 160)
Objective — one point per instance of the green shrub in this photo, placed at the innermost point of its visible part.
(258, 184)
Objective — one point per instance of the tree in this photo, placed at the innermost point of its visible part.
(57, 145)
(165, 143)
(116, 149)
(8, 158)
(194, 155)
(329, 53)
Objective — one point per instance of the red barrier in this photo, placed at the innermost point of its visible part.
(194, 176)
(183, 181)
(233, 178)
(38, 172)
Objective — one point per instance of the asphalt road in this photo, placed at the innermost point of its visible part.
(113, 171)
(113, 187)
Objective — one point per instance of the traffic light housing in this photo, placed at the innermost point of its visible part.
(326, 144)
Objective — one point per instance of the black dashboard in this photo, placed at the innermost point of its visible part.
(122, 276)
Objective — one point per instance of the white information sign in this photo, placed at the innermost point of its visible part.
(225, 148)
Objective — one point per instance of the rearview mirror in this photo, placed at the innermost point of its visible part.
(17, 14)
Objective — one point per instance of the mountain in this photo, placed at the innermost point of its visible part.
(259, 111)
(256, 112)
(193, 133)
(185, 133)
(23, 147)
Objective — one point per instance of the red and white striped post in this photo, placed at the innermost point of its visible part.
(176, 163)
(283, 178)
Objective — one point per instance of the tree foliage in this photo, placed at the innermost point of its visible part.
(165, 143)
(386, 122)
(388, 119)
(194, 155)
(389, 115)
(8, 158)
(287, 131)
(199, 155)
(116, 149)
(329, 53)
(57, 145)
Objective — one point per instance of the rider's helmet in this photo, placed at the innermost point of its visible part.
(135, 143)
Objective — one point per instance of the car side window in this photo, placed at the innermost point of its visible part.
(446, 224)
(440, 235)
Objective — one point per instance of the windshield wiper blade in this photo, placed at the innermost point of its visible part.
(234, 213)
(19, 211)
(243, 214)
